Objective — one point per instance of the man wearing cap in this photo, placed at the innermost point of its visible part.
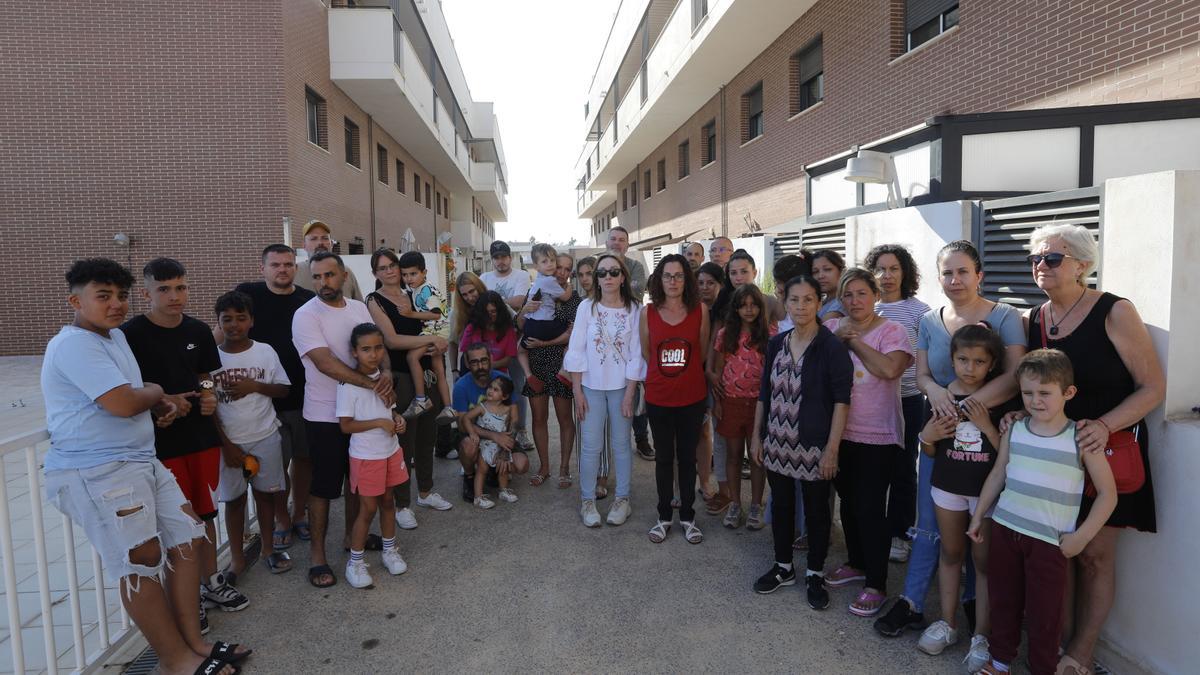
(318, 237)
(513, 286)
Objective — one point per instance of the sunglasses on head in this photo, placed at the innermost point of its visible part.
(1052, 260)
(610, 272)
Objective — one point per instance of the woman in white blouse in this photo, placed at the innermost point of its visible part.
(605, 360)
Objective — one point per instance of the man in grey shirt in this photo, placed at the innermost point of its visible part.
(618, 243)
(319, 237)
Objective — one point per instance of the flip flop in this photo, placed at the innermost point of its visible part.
(278, 562)
(374, 543)
(320, 570)
(281, 540)
(302, 530)
(211, 666)
(228, 653)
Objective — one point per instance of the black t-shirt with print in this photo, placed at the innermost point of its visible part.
(172, 358)
(964, 460)
(273, 325)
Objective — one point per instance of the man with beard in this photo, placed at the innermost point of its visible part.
(318, 237)
(694, 252)
(468, 393)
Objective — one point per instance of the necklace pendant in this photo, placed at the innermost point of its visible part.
(1054, 330)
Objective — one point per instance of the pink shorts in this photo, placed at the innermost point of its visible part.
(373, 477)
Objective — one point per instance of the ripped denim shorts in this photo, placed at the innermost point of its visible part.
(92, 498)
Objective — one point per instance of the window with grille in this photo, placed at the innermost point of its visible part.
(752, 113)
(428, 196)
(646, 184)
(353, 156)
(927, 19)
(685, 160)
(708, 149)
(439, 203)
(624, 199)
(699, 11)
(315, 110)
(808, 77)
(633, 193)
(662, 175)
(381, 161)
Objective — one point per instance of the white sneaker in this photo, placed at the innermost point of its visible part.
(937, 637)
(619, 512)
(434, 501)
(446, 417)
(405, 519)
(900, 550)
(979, 655)
(591, 517)
(393, 562)
(453, 454)
(483, 502)
(522, 440)
(357, 574)
(416, 409)
(508, 496)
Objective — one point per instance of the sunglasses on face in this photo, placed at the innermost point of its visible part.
(610, 272)
(1052, 260)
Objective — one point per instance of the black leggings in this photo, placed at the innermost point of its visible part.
(676, 434)
(863, 475)
(817, 518)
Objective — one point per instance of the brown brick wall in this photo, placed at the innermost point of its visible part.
(1002, 56)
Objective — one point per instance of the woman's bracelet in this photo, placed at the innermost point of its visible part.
(1105, 425)
(922, 441)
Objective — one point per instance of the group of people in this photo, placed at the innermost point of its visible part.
(925, 423)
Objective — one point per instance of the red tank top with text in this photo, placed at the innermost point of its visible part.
(675, 373)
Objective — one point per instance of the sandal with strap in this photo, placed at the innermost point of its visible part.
(319, 571)
(691, 533)
(564, 481)
(278, 562)
(281, 540)
(538, 478)
(211, 666)
(867, 604)
(228, 653)
(658, 533)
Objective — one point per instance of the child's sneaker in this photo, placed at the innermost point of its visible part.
(589, 514)
(393, 562)
(733, 517)
(774, 579)
(978, 656)
(754, 520)
(357, 574)
(937, 637)
(900, 550)
(507, 495)
(221, 594)
(844, 575)
(434, 501)
(483, 502)
(416, 409)
(446, 417)
(405, 519)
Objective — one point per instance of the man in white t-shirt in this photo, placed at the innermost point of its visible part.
(513, 286)
(321, 331)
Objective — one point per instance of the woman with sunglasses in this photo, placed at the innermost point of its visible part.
(1120, 381)
(606, 364)
(960, 273)
(674, 340)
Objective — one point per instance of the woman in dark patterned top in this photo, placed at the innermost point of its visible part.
(802, 409)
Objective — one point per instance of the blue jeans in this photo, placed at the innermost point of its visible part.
(923, 561)
(604, 418)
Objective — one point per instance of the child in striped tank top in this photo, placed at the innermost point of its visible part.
(1038, 479)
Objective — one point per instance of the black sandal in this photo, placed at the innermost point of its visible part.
(318, 570)
(212, 666)
(224, 651)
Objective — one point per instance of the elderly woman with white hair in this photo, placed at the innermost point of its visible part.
(1119, 382)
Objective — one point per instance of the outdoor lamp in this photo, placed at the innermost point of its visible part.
(876, 167)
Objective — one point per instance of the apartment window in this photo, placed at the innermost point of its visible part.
(646, 184)
(428, 199)
(624, 199)
(708, 148)
(417, 187)
(446, 206)
(439, 203)
(400, 176)
(633, 193)
(752, 113)
(807, 73)
(662, 175)
(315, 109)
(927, 19)
(685, 160)
(699, 11)
(353, 157)
(381, 161)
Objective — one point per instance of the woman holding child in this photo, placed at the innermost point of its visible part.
(1119, 381)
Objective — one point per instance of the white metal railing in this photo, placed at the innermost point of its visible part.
(44, 585)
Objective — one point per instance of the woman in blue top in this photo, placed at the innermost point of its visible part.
(827, 268)
(960, 273)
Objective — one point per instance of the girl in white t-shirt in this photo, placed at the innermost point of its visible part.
(376, 460)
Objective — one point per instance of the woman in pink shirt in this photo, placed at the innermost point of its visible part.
(880, 351)
(492, 324)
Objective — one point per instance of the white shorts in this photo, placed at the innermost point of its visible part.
(269, 479)
(952, 502)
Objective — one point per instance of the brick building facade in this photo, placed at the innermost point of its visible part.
(994, 57)
(186, 129)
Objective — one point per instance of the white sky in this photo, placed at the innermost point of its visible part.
(534, 59)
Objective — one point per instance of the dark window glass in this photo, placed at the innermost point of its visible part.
(315, 110)
(810, 77)
(382, 163)
(662, 175)
(754, 113)
(685, 159)
(710, 142)
(646, 184)
(400, 176)
(353, 156)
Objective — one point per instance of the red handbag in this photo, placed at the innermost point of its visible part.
(1123, 452)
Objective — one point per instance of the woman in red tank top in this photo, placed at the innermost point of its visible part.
(674, 331)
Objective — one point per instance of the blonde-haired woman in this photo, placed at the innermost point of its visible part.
(468, 288)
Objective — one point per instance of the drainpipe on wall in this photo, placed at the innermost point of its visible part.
(724, 180)
(371, 159)
(637, 179)
(433, 212)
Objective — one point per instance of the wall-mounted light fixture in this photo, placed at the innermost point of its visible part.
(870, 166)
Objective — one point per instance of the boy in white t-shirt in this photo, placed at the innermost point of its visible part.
(376, 460)
(250, 376)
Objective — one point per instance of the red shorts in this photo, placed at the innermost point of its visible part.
(737, 417)
(373, 477)
(198, 475)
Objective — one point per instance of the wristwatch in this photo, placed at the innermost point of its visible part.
(207, 385)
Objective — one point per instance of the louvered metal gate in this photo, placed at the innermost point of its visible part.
(1002, 234)
(830, 234)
